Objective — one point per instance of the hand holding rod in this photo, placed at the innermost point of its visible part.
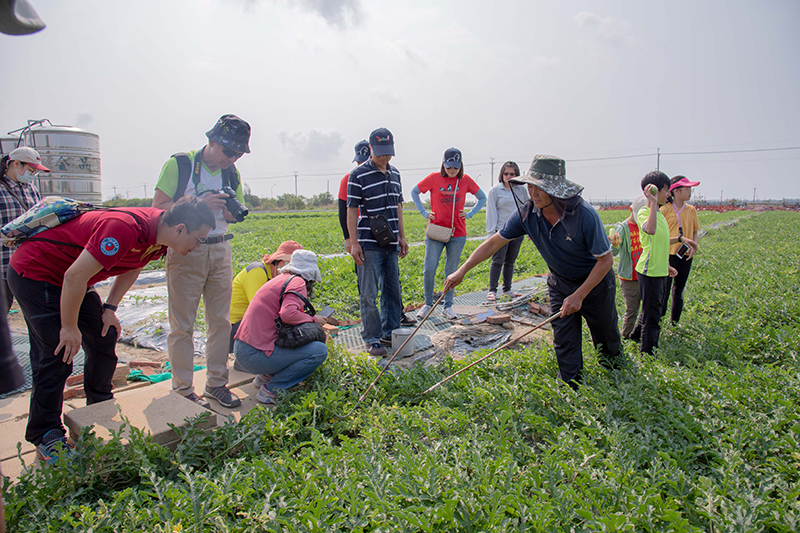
(512, 341)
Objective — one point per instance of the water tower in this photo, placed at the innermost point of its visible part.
(71, 154)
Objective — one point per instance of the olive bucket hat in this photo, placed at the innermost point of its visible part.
(549, 173)
(231, 132)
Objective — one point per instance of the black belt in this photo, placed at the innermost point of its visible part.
(216, 239)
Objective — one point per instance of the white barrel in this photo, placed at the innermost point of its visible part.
(399, 336)
(73, 157)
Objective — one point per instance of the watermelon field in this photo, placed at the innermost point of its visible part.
(702, 436)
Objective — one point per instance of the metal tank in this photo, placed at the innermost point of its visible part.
(71, 154)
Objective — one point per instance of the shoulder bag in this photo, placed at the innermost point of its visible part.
(293, 336)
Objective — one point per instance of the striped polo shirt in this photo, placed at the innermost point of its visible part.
(375, 193)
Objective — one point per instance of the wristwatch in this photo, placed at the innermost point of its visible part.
(109, 306)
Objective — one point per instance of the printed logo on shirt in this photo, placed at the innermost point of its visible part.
(109, 246)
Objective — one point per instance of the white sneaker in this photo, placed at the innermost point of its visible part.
(424, 310)
(265, 396)
(449, 313)
(261, 379)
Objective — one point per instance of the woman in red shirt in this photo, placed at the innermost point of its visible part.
(448, 188)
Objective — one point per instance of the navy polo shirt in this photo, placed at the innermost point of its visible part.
(571, 257)
(375, 193)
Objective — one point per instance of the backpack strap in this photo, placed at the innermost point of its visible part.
(230, 176)
(307, 307)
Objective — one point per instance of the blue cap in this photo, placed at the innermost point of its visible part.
(362, 151)
(452, 158)
(382, 142)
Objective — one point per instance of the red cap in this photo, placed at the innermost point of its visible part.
(683, 182)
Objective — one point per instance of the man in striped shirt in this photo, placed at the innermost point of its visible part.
(377, 239)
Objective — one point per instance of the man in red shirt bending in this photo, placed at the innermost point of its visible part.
(52, 276)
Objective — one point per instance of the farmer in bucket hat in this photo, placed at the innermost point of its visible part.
(569, 235)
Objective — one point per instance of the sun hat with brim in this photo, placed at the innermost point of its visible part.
(26, 154)
(683, 182)
(549, 173)
(304, 264)
(283, 253)
(638, 203)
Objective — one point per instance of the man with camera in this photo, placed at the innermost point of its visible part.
(209, 174)
(377, 239)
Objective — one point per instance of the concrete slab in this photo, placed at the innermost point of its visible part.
(149, 409)
(15, 407)
(13, 468)
(14, 432)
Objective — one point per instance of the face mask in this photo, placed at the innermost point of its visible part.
(25, 176)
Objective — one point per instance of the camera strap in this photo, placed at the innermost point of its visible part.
(187, 168)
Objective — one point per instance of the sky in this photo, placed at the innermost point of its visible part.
(602, 84)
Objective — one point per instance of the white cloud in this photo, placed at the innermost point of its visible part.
(611, 30)
(385, 94)
(315, 145)
(546, 63)
(83, 119)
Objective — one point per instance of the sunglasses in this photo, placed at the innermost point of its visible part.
(231, 154)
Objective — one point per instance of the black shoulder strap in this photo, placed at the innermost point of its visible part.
(184, 170)
(230, 177)
(308, 308)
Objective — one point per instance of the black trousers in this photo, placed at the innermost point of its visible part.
(683, 267)
(600, 312)
(648, 328)
(41, 305)
(503, 261)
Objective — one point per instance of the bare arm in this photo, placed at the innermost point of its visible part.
(573, 302)
(483, 252)
(401, 232)
(121, 284)
(650, 224)
(161, 200)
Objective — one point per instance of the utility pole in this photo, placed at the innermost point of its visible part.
(272, 190)
(329, 186)
(491, 175)
(658, 158)
(295, 183)
(754, 195)
(144, 186)
(115, 191)
(720, 196)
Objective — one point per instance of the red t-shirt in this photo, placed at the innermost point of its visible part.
(115, 239)
(636, 246)
(441, 189)
(343, 187)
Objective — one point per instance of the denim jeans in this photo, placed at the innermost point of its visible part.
(433, 252)
(380, 271)
(288, 367)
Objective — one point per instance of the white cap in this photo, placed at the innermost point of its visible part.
(638, 203)
(304, 264)
(26, 154)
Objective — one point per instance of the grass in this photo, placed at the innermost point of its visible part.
(702, 436)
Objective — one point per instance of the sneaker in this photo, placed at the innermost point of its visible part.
(223, 395)
(449, 313)
(198, 400)
(53, 444)
(491, 296)
(423, 311)
(261, 379)
(386, 342)
(266, 396)
(407, 321)
(377, 349)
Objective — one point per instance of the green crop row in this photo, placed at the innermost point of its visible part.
(702, 436)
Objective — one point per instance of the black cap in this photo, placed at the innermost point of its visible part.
(382, 142)
(231, 132)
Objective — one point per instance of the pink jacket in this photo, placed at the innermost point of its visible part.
(258, 324)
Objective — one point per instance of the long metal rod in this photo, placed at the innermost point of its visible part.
(512, 341)
(386, 367)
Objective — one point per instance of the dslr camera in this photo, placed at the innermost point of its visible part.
(236, 208)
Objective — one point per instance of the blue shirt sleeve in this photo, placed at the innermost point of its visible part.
(596, 238)
(417, 202)
(481, 196)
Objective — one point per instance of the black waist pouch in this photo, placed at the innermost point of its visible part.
(380, 230)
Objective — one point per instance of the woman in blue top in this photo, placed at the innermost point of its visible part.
(504, 199)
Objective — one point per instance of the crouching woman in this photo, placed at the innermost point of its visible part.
(278, 368)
